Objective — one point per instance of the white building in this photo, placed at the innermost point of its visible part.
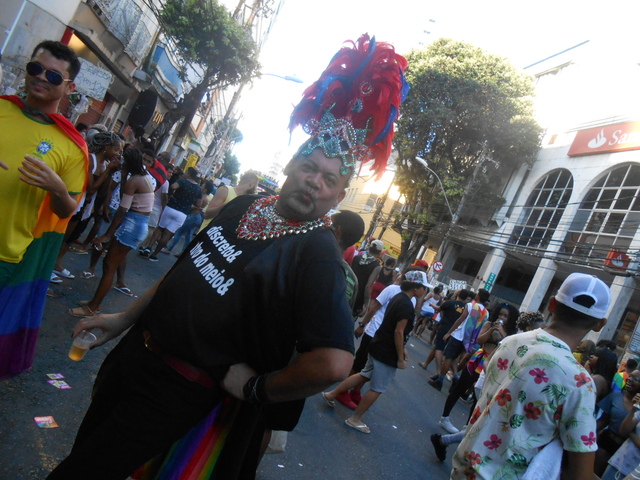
(577, 209)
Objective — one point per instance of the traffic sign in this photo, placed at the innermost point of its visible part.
(438, 266)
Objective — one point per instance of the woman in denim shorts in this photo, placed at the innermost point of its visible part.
(127, 229)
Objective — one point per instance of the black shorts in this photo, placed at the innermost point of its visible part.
(453, 349)
(360, 359)
(439, 341)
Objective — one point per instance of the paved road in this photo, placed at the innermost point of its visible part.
(322, 447)
(401, 422)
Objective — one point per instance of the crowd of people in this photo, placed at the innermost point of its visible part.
(258, 311)
(543, 403)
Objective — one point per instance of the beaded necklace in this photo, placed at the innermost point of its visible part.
(262, 222)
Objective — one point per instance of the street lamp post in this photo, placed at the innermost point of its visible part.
(454, 216)
(288, 78)
(423, 162)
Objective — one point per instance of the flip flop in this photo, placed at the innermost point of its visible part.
(87, 275)
(79, 250)
(328, 401)
(82, 311)
(55, 279)
(52, 294)
(85, 303)
(124, 290)
(64, 273)
(361, 428)
(422, 365)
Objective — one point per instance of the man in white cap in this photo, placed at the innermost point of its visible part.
(387, 352)
(535, 392)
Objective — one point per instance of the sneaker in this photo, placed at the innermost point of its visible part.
(345, 399)
(446, 424)
(145, 253)
(467, 399)
(434, 377)
(437, 384)
(440, 449)
(152, 258)
(450, 376)
(355, 396)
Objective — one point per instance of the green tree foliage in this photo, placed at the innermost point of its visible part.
(207, 37)
(231, 165)
(468, 112)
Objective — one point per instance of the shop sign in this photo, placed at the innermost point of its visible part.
(92, 81)
(489, 283)
(616, 259)
(457, 285)
(619, 137)
(634, 343)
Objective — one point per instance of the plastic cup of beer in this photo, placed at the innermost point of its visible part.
(81, 345)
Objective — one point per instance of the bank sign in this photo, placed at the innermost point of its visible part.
(610, 138)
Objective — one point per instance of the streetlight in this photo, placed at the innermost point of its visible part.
(423, 162)
(289, 78)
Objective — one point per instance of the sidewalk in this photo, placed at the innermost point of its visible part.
(29, 452)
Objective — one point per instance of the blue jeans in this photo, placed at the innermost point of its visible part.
(187, 230)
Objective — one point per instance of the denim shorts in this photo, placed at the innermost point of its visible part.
(133, 229)
(379, 373)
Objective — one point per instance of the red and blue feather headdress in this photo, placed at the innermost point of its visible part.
(350, 110)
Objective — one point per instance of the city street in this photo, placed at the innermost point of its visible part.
(322, 446)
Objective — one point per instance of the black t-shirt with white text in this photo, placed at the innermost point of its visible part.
(229, 300)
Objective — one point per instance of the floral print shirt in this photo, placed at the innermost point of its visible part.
(534, 392)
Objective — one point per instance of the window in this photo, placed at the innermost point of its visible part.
(543, 211)
(607, 218)
(371, 202)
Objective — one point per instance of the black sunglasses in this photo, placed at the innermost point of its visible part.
(53, 77)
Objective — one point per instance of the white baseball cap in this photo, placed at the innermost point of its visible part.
(378, 245)
(578, 284)
(417, 276)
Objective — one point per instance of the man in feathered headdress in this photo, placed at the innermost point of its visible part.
(256, 307)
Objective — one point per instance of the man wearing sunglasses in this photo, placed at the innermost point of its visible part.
(43, 171)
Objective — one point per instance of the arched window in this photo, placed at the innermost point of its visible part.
(543, 211)
(607, 218)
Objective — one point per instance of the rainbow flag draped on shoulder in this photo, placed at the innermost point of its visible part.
(23, 285)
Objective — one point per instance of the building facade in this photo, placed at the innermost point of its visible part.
(577, 208)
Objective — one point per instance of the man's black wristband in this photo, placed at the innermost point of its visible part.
(254, 391)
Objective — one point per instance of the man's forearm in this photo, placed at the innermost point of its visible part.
(374, 306)
(308, 374)
(63, 204)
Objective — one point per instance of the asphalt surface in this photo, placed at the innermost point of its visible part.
(321, 447)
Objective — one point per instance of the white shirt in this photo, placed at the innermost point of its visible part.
(383, 299)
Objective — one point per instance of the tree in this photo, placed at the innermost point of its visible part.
(467, 112)
(230, 165)
(208, 38)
